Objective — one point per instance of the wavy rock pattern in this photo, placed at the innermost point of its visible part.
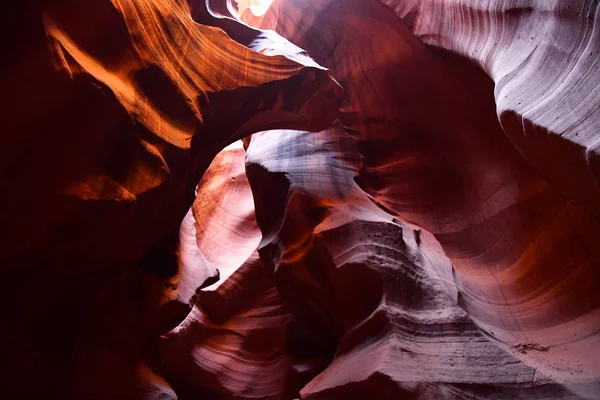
(227, 234)
(405, 334)
(437, 240)
(239, 339)
(436, 156)
(542, 57)
(111, 112)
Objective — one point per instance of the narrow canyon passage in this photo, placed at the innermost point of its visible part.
(329, 199)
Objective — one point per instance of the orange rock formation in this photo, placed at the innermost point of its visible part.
(328, 199)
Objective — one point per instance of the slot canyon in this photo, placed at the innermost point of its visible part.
(300, 199)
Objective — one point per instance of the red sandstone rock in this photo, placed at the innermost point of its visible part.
(437, 241)
(112, 111)
(380, 291)
(436, 156)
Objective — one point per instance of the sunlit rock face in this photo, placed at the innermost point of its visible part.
(412, 212)
(439, 153)
(112, 110)
(240, 340)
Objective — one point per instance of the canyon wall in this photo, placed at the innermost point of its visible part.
(326, 199)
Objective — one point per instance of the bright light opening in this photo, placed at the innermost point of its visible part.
(257, 7)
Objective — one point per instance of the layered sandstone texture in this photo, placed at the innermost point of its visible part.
(284, 199)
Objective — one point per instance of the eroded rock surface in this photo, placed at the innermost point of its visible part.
(112, 110)
(438, 239)
(436, 154)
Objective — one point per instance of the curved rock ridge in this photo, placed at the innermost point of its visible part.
(412, 211)
(379, 291)
(541, 55)
(112, 110)
(239, 339)
(436, 156)
(227, 233)
(190, 60)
